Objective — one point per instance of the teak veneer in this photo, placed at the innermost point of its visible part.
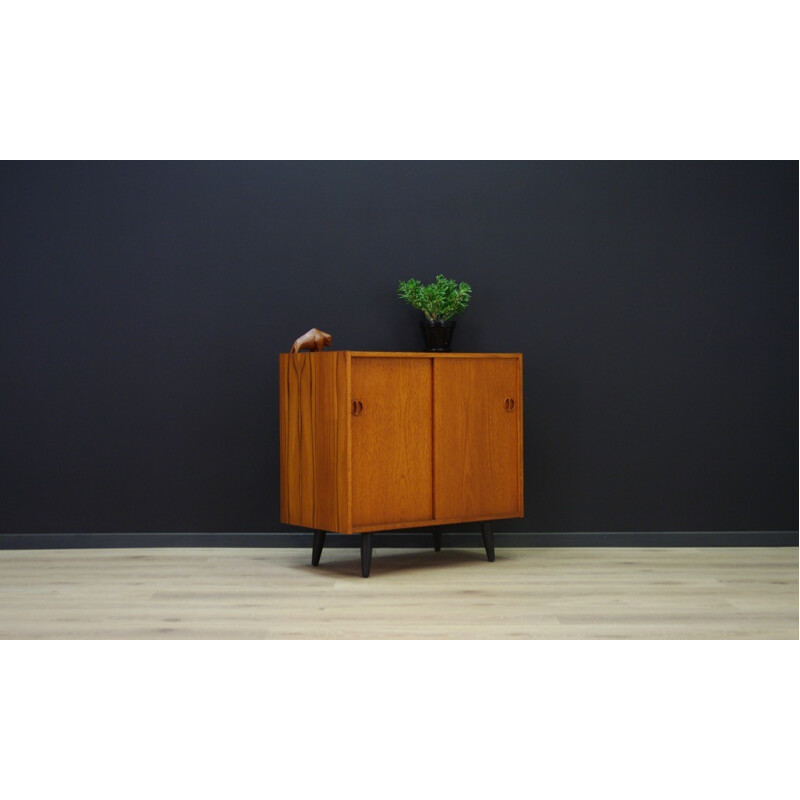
(374, 441)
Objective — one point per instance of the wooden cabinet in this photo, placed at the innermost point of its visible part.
(374, 441)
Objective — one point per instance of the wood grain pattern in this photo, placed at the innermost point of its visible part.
(477, 438)
(528, 593)
(297, 444)
(314, 423)
(392, 465)
(283, 421)
(520, 442)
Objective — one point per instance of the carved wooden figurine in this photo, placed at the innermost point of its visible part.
(314, 339)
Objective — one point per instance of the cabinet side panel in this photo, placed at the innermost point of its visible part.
(348, 397)
(520, 440)
(282, 422)
(330, 441)
(298, 458)
(344, 443)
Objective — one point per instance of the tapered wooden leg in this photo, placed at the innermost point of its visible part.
(316, 552)
(488, 540)
(366, 554)
(437, 541)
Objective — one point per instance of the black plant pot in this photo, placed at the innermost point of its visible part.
(438, 335)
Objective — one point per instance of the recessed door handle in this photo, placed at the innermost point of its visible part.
(356, 408)
(509, 404)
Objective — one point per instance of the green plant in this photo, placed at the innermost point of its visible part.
(438, 301)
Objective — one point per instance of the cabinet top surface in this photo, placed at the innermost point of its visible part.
(399, 354)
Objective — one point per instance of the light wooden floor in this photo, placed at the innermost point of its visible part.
(528, 593)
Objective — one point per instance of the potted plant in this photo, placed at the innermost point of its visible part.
(439, 301)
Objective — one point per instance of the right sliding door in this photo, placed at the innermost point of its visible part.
(477, 408)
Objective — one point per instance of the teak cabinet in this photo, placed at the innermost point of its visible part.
(373, 441)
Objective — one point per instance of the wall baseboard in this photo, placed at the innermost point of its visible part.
(416, 539)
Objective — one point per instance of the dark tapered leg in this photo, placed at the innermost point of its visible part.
(437, 541)
(366, 554)
(316, 552)
(488, 540)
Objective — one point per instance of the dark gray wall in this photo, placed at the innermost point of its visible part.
(142, 307)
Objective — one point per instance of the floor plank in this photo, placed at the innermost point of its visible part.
(528, 593)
